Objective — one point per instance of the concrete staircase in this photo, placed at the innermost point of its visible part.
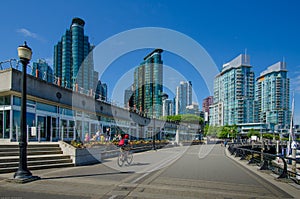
(39, 156)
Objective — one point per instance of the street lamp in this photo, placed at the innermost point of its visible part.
(24, 53)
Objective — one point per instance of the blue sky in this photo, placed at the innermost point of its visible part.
(269, 30)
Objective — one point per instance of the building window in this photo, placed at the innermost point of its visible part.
(5, 100)
(17, 101)
(46, 107)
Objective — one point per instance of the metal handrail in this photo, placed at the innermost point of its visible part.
(241, 152)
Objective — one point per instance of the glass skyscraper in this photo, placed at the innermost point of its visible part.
(183, 97)
(148, 88)
(233, 93)
(73, 59)
(42, 70)
(272, 96)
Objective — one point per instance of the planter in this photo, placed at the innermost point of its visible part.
(82, 156)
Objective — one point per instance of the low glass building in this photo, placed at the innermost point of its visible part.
(57, 113)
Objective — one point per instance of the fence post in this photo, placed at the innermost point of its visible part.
(243, 156)
(251, 161)
(284, 173)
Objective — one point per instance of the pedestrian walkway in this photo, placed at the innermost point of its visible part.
(202, 171)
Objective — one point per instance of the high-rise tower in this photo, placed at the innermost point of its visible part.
(183, 97)
(233, 93)
(148, 79)
(73, 59)
(272, 96)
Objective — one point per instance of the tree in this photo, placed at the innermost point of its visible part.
(252, 132)
(213, 130)
(228, 131)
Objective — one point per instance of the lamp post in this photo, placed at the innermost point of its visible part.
(23, 174)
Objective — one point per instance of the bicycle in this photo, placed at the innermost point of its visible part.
(125, 156)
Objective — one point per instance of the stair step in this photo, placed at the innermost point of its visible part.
(30, 149)
(39, 156)
(6, 154)
(14, 169)
(29, 145)
(36, 163)
(34, 158)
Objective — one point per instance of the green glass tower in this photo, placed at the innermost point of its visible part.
(73, 59)
(272, 95)
(148, 89)
(234, 93)
(42, 70)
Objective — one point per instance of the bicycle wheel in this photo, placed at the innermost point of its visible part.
(121, 159)
(129, 157)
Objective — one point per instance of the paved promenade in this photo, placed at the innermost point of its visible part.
(203, 171)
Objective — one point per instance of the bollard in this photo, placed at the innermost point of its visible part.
(294, 168)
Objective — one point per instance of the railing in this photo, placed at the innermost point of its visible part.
(278, 164)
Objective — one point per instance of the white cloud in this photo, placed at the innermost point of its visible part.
(27, 33)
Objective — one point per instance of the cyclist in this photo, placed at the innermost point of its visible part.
(123, 143)
(125, 153)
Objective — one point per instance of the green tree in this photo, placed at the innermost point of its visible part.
(228, 131)
(252, 132)
(213, 131)
(205, 130)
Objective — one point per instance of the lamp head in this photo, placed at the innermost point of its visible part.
(24, 52)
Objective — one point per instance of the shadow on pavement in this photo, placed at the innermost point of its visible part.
(88, 175)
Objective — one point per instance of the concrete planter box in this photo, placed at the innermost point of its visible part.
(82, 156)
(96, 154)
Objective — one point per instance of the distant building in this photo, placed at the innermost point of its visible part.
(183, 97)
(168, 107)
(42, 70)
(148, 80)
(193, 109)
(128, 97)
(233, 93)
(272, 96)
(73, 59)
(205, 107)
(101, 91)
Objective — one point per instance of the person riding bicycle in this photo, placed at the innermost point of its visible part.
(125, 154)
(124, 142)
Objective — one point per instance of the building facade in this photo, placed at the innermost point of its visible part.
(73, 59)
(101, 91)
(167, 107)
(193, 109)
(148, 85)
(234, 93)
(128, 97)
(205, 107)
(272, 96)
(42, 70)
(57, 113)
(183, 97)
